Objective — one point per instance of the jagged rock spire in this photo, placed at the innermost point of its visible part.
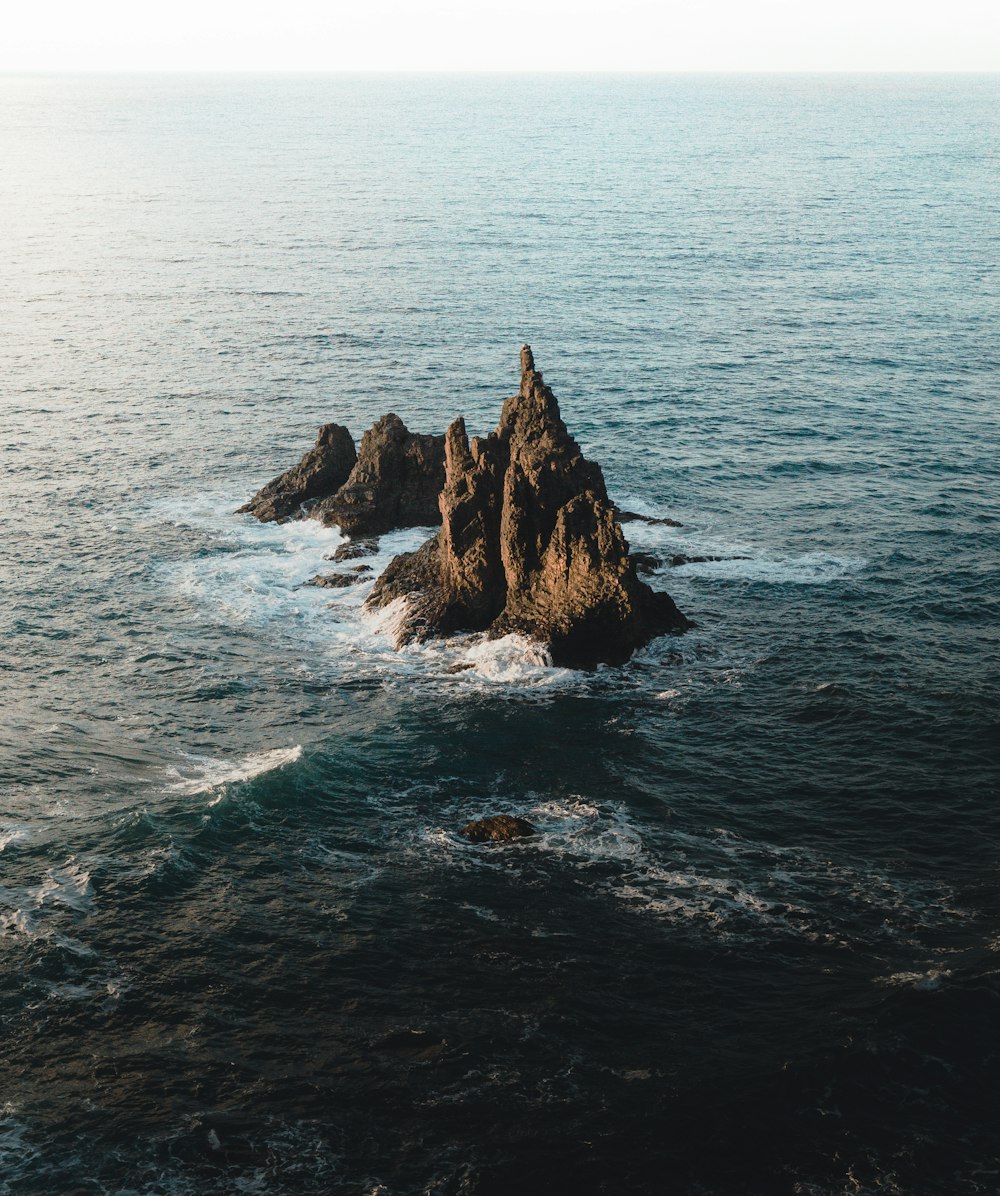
(529, 543)
(527, 364)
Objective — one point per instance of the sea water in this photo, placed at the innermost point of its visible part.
(754, 947)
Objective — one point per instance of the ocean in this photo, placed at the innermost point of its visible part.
(755, 946)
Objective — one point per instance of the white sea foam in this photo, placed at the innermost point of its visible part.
(205, 774)
(12, 834)
(740, 560)
(808, 568)
(256, 575)
(928, 981)
(67, 886)
(513, 662)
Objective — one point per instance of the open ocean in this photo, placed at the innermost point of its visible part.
(755, 949)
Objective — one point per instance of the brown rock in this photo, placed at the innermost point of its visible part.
(355, 548)
(529, 543)
(498, 828)
(334, 581)
(321, 472)
(395, 482)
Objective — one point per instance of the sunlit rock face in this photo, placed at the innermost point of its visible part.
(529, 543)
(395, 483)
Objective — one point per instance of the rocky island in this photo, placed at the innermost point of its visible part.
(529, 541)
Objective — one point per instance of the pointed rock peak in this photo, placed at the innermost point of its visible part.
(529, 544)
(531, 379)
(527, 363)
(532, 409)
(457, 456)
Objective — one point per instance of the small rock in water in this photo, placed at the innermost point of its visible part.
(645, 562)
(355, 548)
(680, 559)
(499, 828)
(634, 516)
(333, 581)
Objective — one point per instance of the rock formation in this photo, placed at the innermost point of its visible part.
(354, 549)
(498, 828)
(529, 543)
(322, 471)
(335, 581)
(395, 483)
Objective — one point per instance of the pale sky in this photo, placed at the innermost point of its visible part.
(477, 35)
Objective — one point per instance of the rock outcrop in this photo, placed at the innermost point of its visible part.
(635, 517)
(529, 543)
(354, 549)
(498, 828)
(334, 581)
(322, 471)
(395, 483)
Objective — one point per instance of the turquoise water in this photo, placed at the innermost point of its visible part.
(754, 948)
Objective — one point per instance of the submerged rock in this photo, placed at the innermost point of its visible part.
(646, 562)
(322, 471)
(634, 517)
(498, 828)
(354, 549)
(395, 482)
(529, 543)
(334, 581)
(681, 559)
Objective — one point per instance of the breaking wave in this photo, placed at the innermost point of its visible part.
(203, 774)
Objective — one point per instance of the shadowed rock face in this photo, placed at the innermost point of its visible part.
(529, 543)
(395, 483)
(323, 470)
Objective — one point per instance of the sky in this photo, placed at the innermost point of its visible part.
(487, 35)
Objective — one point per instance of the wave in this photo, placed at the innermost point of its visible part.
(512, 661)
(254, 573)
(12, 834)
(927, 981)
(67, 887)
(208, 774)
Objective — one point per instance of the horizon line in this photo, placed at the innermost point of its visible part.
(610, 70)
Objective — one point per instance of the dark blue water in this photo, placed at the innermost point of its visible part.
(755, 947)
